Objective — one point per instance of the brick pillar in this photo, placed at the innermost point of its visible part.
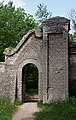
(55, 38)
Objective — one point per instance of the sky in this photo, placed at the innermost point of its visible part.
(57, 7)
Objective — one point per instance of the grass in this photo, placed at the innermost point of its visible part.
(7, 109)
(65, 110)
(31, 92)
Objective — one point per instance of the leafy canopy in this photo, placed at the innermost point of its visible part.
(14, 23)
(42, 13)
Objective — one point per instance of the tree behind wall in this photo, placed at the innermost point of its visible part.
(72, 16)
(14, 23)
(42, 13)
(31, 78)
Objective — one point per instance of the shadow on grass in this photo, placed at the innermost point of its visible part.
(61, 110)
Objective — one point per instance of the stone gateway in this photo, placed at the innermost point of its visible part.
(47, 49)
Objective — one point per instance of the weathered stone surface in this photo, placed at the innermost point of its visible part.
(48, 50)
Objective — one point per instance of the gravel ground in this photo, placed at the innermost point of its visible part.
(26, 111)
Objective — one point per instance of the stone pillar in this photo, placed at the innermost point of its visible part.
(45, 65)
(55, 38)
(19, 84)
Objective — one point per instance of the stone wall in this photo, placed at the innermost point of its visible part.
(29, 50)
(47, 48)
(56, 30)
(2, 79)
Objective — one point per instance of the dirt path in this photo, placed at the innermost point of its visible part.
(26, 111)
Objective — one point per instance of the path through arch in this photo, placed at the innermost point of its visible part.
(25, 113)
(29, 83)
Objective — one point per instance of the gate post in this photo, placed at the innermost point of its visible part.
(55, 38)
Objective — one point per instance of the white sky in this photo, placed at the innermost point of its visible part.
(17, 3)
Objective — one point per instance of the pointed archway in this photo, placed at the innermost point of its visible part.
(29, 83)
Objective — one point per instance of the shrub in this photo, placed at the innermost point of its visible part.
(61, 110)
(7, 108)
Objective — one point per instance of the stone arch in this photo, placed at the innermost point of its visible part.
(19, 77)
(30, 83)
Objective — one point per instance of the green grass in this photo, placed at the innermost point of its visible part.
(7, 109)
(31, 92)
(65, 110)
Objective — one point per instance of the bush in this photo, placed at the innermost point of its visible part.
(61, 110)
(7, 108)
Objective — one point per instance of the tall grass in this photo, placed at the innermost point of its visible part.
(7, 108)
(65, 110)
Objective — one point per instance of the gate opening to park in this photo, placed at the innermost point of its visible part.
(29, 83)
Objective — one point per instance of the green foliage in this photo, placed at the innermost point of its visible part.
(31, 92)
(42, 13)
(31, 78)
(61, 110)
(17, 102)
(71, 37)
(14, 23)
(7, 109)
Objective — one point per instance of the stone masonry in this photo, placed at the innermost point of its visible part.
(47, 48)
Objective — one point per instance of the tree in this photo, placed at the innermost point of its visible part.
(72, 16)
(42, 13)
(14, 23)
(71, 37)
(31, 79)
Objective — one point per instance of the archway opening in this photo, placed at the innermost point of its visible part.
(29, 83)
